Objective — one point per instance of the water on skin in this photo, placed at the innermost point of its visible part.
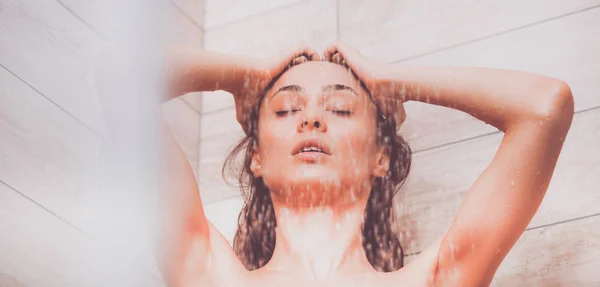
(322, 269)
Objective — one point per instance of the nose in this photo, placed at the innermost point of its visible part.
(312, 122)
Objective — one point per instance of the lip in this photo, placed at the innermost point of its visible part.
(311, 157)
(310, 142)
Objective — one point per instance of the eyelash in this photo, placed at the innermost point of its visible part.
(343, 113)
(284, 112)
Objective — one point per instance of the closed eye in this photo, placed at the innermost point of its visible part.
(343, 113)
(282, 113)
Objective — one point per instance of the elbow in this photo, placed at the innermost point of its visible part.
(563, 104)
(558, 105)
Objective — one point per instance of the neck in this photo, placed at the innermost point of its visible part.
(319, 242)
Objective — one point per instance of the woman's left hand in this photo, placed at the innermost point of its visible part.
(376, 76)
(258, 73)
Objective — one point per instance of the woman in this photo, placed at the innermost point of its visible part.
(322, 161)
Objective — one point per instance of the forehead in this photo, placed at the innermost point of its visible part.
(314, 75)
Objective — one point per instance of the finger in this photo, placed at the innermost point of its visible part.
(346, 50)
(315, 56)
(299, 60)
(337, 58)
(351, 58)
(312, 54)
(329, 52)
(287, 58)
(308, 52)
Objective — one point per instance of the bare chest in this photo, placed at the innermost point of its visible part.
(400, 278)
(419, 272)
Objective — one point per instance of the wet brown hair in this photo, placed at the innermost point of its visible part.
(254, 241)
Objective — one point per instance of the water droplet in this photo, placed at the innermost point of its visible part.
(403, 92)
(512, 183)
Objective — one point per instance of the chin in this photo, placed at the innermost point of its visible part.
(312, 185)
(312, 179)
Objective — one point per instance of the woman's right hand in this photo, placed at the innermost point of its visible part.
(377, 78)
(258, 73)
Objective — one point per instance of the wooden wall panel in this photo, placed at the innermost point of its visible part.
(561, 254)
(106, 18)
(564, 48)
(47, 99)
(311, 22)
(45, 154)
(182, 114)
(52, 162)
(394, 30)
(564, 254)
(39, 249)
(180, 30)
(193, 9)
(50, 49)
(223, 12)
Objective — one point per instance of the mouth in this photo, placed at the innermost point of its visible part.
(311, 146)
(311, 149)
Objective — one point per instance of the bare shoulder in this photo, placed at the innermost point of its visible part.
(226, 270)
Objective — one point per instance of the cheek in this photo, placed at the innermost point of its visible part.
(357, 146)
(275, 141)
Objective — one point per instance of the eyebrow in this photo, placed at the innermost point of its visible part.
(338, 87)
(334, 87)
(294, 88)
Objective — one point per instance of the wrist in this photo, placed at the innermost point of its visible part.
(236, 70)
(401, 78)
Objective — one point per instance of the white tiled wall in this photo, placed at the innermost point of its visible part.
(61, 223)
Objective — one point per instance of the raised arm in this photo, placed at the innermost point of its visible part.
(190, 70)
(152, 165)
(535, 114)
(184, 241)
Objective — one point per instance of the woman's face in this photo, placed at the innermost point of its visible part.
(317, 137)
